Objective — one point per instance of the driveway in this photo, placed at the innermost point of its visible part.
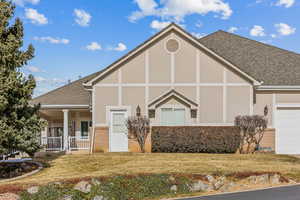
(279, 193)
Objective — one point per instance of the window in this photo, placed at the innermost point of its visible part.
(172, 116)
(84, 129)
(118, 122)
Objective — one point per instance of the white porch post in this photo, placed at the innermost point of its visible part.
(66, 129)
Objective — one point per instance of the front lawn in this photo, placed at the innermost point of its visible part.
(80, 166)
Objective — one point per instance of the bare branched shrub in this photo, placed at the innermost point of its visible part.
(252, 129)
(139, 128)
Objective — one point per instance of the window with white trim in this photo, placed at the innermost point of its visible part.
(173, 116)
(84, 129)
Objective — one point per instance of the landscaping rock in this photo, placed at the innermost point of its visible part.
(172, 179)
(292, 181)
(199, 186)
(252, 179)
(210, 179)
(219, 183)
(227, 187)
(83, 186)
(95, 181)
(275, 179)
(174, 188)
(99, 198)
(9, 196)
(262, 179)
(33, 190)
(67, 197)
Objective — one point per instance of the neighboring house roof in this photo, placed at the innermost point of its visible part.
(70, 94)
(272, 65)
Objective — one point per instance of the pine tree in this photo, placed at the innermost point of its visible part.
(20, 124)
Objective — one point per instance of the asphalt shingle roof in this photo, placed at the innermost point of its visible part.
(70, 94)
(272, 65)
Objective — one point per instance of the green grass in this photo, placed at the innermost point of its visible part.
(63, 167)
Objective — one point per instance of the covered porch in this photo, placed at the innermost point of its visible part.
(68, 129)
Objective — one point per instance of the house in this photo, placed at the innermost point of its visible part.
(178, 80)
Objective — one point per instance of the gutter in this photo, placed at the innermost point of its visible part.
(64, 106)
(278, 88)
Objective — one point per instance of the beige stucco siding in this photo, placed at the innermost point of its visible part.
(134, 71)
(188, 91)
(104, 96)
(185, 63)
(211, 71)
(155, 92)
(134, 96)
(262, 100)
(211, 104)
(238, 102)
(232, 77)
(111, 77)
(159, 63)
(288, 98)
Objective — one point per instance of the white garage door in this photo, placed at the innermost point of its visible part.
(288, 131)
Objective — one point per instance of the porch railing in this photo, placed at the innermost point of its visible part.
(52, 143)
(79, 143)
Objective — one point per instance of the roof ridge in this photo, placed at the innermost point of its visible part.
(262, 43)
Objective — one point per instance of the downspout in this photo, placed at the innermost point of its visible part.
(92, 142)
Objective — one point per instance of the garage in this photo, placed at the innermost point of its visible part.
(287, 130)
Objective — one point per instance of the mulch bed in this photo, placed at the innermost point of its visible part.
(14, 169)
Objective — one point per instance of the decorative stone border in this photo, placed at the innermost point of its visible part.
(25, 175)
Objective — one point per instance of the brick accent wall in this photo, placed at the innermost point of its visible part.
(269, 139)
(101, 142)
(134, 146)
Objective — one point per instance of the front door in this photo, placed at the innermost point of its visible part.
(118, 140)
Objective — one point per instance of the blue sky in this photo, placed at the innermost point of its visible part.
(75, 38)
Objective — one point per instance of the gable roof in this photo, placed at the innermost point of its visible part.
(68, 95)
(271, 65)
(172, 94)
(171, 28)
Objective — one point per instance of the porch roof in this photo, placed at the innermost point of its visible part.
(72, 95)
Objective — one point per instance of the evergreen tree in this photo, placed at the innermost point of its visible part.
(20, 124)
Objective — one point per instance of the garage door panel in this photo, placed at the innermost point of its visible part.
(288, 131)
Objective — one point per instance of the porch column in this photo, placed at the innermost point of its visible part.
(66, 129)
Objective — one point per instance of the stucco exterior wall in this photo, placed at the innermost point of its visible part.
(220, 93)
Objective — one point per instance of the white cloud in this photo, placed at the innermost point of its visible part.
(94, 46)
(33, 69)
(199, 24)
(257, 31)
(155, 24)
(285, 3)
(39, 79)
(198, 35)
(120, 47)
(23, 2)
(285, 29)
(83, 18)
(273, 35)
(35, 17)
(52, 40)
(233, 29)
(178, 9)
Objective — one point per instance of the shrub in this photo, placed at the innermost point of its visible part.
(192, 139)
(252, 129)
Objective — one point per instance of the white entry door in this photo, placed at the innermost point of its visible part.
(288, 131)
(118, 132)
